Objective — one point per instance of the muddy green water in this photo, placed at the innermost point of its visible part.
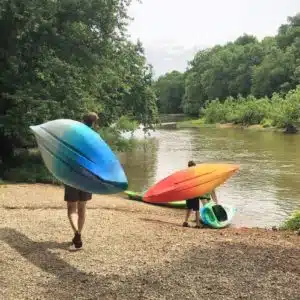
(265, 190)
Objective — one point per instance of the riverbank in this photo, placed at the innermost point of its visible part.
(200, 123)
(135, 251)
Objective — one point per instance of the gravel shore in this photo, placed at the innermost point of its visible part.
(133, 251)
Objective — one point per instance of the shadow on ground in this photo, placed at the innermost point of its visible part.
(160, 222)
(37, 207)
(155, 221)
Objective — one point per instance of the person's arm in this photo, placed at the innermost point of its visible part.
(214, 196)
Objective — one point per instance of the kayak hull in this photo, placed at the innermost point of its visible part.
(139, 197)
(77, 156)
(190, 183)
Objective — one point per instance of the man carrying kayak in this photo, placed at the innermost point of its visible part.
(77, 199)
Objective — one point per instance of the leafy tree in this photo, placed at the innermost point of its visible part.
(289, 33)
(243, 67)
(170, 90)
(245, 39)
(195, 95)
(274, 73)
(61, 58)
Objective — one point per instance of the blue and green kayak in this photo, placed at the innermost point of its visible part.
(217, 216)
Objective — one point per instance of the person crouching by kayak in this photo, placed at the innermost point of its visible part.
(194, 203)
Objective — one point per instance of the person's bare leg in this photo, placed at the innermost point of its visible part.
(81, 215)
(188, 213)
(198, 218)
(72, 215)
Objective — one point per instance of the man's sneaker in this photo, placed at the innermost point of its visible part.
(73, 247)
(185, 224)
(76, 242)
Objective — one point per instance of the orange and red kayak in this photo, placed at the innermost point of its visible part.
(190, 183)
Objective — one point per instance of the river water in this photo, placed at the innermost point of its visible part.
(265, 190)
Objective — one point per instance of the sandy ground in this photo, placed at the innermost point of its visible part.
(135, 251)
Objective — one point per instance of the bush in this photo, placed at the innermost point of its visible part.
(215, 112)
(246, 111)
(114, 135)
(266, 123)
(28, 166)
(251, 111)
(278, 111)
(293, 222)
(286, 111)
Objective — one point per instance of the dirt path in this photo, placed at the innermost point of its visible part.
(135, 251)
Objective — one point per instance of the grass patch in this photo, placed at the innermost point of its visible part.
(267, 123)
(195, 123)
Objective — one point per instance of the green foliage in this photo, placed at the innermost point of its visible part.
(266, 123)
(216, 112)
(192, 123)
(220, 72)
(293, 222)
(275, 73)
(288, 33)
(62, 58)
(251, 111)
(170, 90)
(125, 124)
(194, 97)
(280, 111)
(28, 167)
(242, 68)
(286, 111)
(113, 135)
(27, 164)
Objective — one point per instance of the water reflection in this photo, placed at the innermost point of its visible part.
(265, 190)
(140, 164)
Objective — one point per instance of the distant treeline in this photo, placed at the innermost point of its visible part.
(245, 69)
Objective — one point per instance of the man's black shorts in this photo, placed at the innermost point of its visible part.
(73, 195)
(193, 204)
